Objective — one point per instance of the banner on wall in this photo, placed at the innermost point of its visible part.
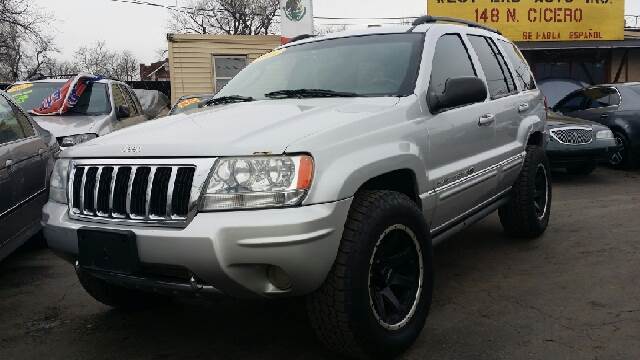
(296, 18)
(540, 20)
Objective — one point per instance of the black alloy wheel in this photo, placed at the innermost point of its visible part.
(395, 277)
(618, 158)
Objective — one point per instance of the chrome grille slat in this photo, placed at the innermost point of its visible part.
(132, 176)
(95, 190)
(114, 175)
(573, 135)
(147, 204)
(172, 181)
(135, 192)
(83, 183)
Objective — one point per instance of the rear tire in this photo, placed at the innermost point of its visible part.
(526, 215)
(117, 296)
(376, 298)
(584, 170)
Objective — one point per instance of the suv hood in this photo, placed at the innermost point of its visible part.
(66, 125)
(266, 126)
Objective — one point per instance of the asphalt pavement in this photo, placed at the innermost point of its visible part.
(572, 294)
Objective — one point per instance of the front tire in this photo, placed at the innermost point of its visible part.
(619, 159)
(377, 296)
(526, 215)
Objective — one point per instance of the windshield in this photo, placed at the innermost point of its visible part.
(94, 100)
(374, 65)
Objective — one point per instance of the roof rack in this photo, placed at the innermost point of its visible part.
(428, 19)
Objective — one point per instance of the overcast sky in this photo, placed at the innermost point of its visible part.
(142, 29)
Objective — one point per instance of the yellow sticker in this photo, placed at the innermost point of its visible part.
(19, 87)
(269, 55)
(186, 102)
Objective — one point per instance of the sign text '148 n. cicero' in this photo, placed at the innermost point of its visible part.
(540, 20)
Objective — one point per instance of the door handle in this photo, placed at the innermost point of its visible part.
(523, 107)
(486, 120)
(8, 164)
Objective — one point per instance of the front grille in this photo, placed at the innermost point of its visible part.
(144, 193)
(573, 136)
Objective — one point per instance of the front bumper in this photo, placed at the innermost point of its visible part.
(226, 251)
(566, 155)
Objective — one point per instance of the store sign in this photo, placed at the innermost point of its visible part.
(540, 20)
(296, 18)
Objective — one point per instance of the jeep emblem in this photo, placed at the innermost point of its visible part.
(132, 149)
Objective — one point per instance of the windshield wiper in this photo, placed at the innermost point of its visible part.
(308, 93)
(228, 100)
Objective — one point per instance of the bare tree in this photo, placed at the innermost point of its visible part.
(233, 17)
(100, 60)
(24, 49)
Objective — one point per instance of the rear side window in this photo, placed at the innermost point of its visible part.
(601, 97)
(499, 79)
(523, 73)
(451, 60)
(10, 129)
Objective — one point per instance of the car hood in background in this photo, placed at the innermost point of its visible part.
(66, 125)
(267, 126)
(555, 120)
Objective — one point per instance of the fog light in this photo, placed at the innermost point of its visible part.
(278, 277)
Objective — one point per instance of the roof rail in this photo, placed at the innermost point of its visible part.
(428, 19)
(300, 37)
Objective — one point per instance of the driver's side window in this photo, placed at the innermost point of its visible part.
(118, 97)
(451, 60)
(572, 103)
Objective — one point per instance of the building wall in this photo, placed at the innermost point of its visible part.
(630, 68)
(191, 58)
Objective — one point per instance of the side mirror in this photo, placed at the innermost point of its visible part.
(122, 112)
(458, 91)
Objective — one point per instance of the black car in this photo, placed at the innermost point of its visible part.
(577, 145)
(26, 160)
(616, 106)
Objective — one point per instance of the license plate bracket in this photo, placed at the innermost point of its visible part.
(108, 250)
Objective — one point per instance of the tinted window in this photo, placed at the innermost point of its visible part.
(523, 73)
(451, 60)
(601, 97)
(130, 100)
(10, 129)
(24, 123)
(499, 80)
(372, 65)
(94, 100)
(572, 102)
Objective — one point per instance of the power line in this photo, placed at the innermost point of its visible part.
(187, 8)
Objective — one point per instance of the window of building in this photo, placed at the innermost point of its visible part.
(451, 60)
(499, 79)
(226, 67)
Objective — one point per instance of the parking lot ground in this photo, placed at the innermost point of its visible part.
(573, 294)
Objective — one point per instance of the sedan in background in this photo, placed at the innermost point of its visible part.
(616, 106)
(577, 145)
(27, 153)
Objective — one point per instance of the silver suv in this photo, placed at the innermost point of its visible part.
(326, 169)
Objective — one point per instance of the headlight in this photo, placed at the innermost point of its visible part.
(604, 135)
(258, 182)
(59, 178)
(76, 139)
